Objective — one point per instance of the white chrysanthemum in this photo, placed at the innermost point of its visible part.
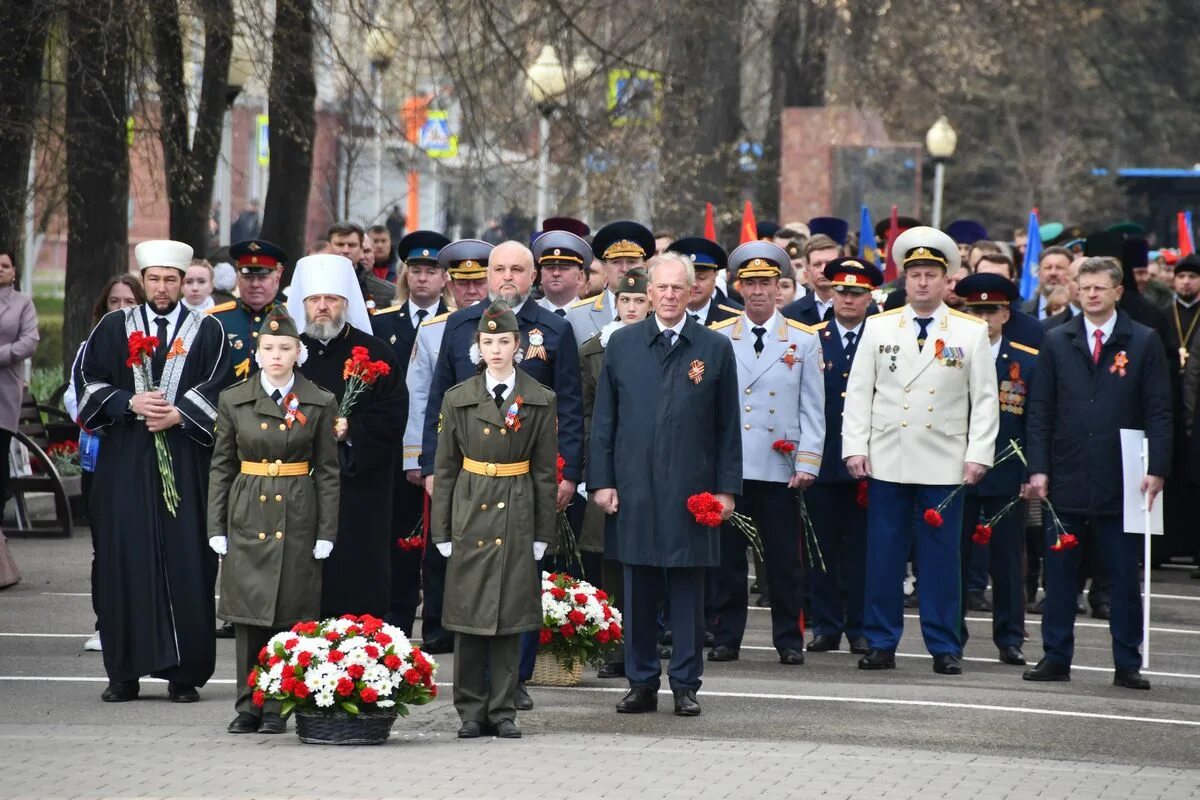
(323, 699)
(385, 703)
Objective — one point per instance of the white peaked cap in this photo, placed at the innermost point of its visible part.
(163, 253)
(327, 273)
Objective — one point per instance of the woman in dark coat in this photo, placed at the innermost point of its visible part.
(272, 504)
(493, 515)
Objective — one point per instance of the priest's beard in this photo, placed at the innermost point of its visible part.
(324, 331)
(162, 312)
(513, 299)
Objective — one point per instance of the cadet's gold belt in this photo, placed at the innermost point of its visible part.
(275, 469)
(495, 470)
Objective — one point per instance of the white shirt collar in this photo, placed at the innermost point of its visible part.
(770, 324)
(677, 327)
(413, 308)
(610, 300)
(701, 314)
(549, 305)
(996, 348)
(269, 388)
(938, 313)
(172, 318)
(822, 306)
(843, 330)
(509, 382)
(1107, 328)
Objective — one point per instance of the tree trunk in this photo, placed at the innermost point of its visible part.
(97, 158)
(25, 27)
(291, 103)
(191, 167)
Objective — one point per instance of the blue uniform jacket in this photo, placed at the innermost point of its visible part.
(837, 373)
(554, 364)
(1016, 366)
(1077, 409)
(1024, 329)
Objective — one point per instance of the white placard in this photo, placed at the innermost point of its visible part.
(1132, 471)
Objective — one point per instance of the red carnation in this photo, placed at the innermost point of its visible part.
(1066, 541)
(332, 636)
(615, 630)
(559, 464)
(335, 656)
(392, 662)
(700, 503)
(783, 446)
(433, 690)
(353, 630)
(272, 661)
(412, 677)
(709, 519)
(370, 624)
(383, 639)
(861, 497)
(369, 695)
(300, 690)
(263, 655)
(601, 595)
(982, 535)
(421, 662)
(580, 598)
(576, 616)
(259, 698)
(557, 593)
(345, 687)
(546, 636)
(933, 518)
(355, 671)
(304, 659)
(552, 577)
(288, 671)
(360, 354)
(608, 612)
(371, 650)
(252, 678)
(285, 685)
(291, 643)
(567, 630)
(602, 636)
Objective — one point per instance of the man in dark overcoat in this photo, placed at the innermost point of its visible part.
(665, 427)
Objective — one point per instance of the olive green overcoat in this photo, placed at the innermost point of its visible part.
(269, 576)
(493, 586)
(591, 361)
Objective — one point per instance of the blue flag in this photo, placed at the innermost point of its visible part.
(1033, 254)
(868, 248)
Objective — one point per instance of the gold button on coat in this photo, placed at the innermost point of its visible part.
(487, 431)
(503, 432)
(262, 498)
(483, 507)
(282, 427)
(479, 543)
(747, 427)
(278, 498)
(903, 424)
(261, 535)
(500, 504)
(264, 426)
(499, 542)
(278, 534)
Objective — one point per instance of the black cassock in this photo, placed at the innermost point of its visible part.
(357, 576)
(155, 573)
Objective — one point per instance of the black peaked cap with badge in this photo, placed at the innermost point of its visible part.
(421, 247)
(853, 275)
(623, 239)
(704, 253)
(986, 290)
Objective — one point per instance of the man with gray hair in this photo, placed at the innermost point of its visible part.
(665, 427)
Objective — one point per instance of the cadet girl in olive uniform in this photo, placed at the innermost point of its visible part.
(272, 504)
(493, 514)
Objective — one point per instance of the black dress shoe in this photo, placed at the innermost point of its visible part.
(976, 601)
(243, 723)
(947, 664)
(1130, 679)
(912, 601)
(182, 693)
(1036, 607)
(437, 645)
(639, 700)
(1012, 655)
(664, 653)
(823, 643)
(273, 723)
(666, 637)
(611, 671)
(792, 657)
(1047, 670)
(470, 730)
(859, 645)
(507, 729)
(722, 652)
(686, 704)
(1101, 611)
(225, 631)
(709, 639)
(763, 601)
(878, 659)
(521, 700)
(120, 692)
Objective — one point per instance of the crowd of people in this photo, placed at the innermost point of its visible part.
(932, 430)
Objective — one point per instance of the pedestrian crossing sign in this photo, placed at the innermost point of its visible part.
(436, 139)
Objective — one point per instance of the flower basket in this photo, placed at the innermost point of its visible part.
(547, 671)
(347, 678)
(578, 626)
(340, 727)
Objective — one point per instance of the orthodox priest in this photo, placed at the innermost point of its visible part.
(326, 303)
(154, 571)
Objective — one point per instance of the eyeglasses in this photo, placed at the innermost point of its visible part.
(1095, 289)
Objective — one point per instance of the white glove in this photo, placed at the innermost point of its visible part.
(322, 549)
(444, 548)
(539, 550)
(219, 544)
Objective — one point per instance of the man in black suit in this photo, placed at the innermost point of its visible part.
(705, 306)
(1096, 375)
(817, 305)
(1053, 264)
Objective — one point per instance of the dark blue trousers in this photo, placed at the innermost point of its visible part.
(895, 522)
(841, 527)
(1005, 560)
(1120, 554)
(644, 587)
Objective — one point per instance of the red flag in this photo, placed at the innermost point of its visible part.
(1186, 246)
(889, 272)
(749, 226)
(710, 228)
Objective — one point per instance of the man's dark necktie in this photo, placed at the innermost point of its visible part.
(758, 332)
(421, 315)
(277, 396)
(561, 312)
(851, 343)
(499, 393)
(922, 334)
(695, 318)
(159, 360)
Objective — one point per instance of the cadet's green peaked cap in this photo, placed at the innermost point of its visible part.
(279, 323)
(634, 281)
(498, 318)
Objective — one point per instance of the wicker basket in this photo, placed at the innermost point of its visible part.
(338, 727)
(547, 671)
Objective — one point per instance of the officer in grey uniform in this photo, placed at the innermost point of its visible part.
(620, 246)
(560, 251)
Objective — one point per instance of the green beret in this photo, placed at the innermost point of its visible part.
(498, 318)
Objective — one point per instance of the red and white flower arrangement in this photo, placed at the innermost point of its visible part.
(579, 625)
(350, 663)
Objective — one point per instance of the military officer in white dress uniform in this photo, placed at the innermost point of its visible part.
(921, 418)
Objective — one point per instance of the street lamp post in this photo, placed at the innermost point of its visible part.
(239, 74)
(545, 81)
(940, 140)
(381, 47)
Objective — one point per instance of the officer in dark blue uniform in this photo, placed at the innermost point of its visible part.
(836, 502)
(708, 258)
(259, 266)
(397, 325)
(990, 296)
